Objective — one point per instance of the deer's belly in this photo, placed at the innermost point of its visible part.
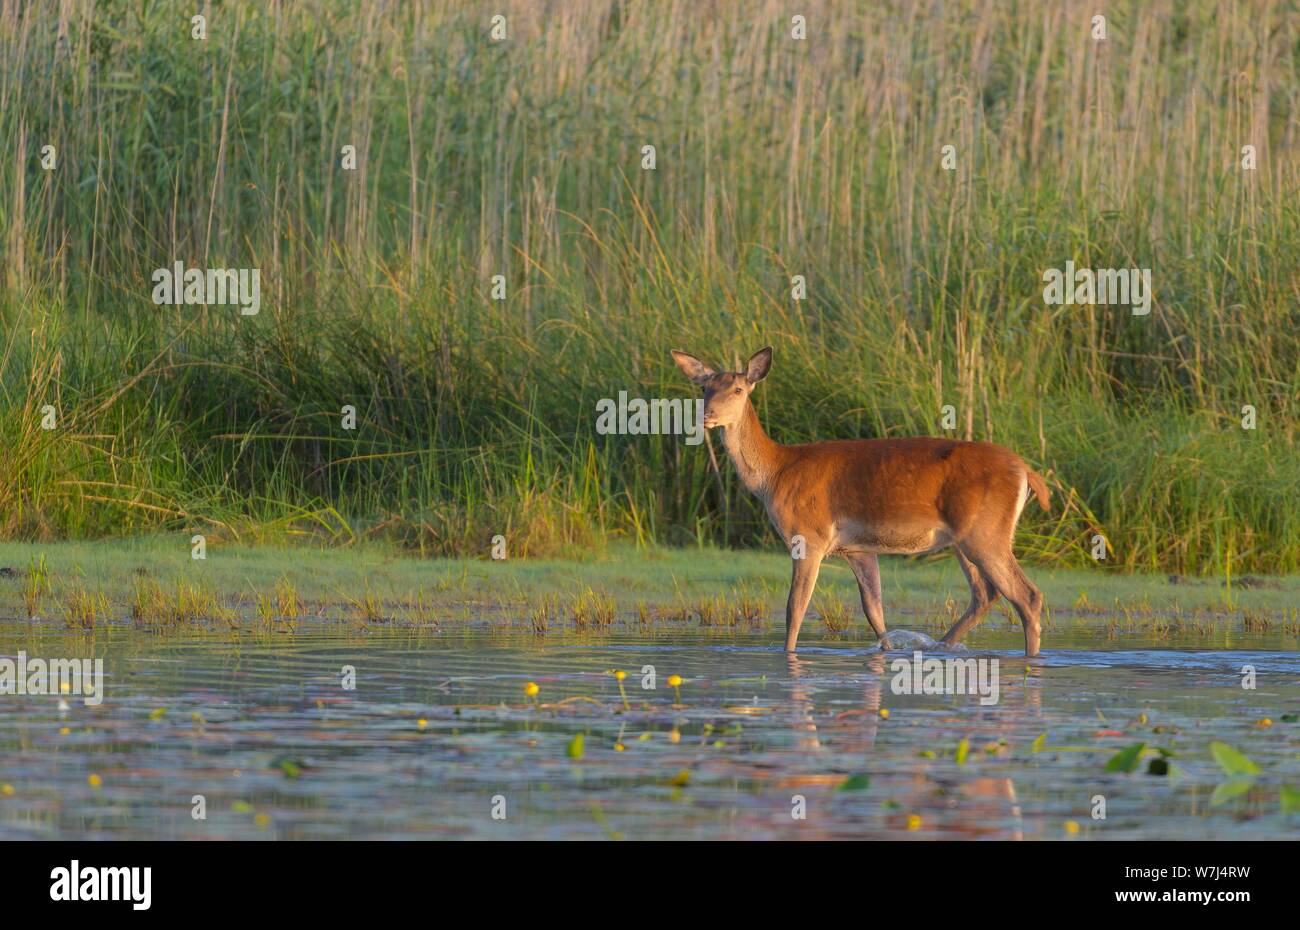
(890, 540)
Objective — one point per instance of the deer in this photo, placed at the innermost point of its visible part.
(862, 498)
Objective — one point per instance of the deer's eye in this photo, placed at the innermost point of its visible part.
(740, 390)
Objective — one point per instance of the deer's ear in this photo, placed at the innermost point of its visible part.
(759, 365)
(692, 367)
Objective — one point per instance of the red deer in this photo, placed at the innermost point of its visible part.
(860, 498)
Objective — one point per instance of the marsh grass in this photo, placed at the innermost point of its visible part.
(592, 611)
(544, 614)
(36, 585)
(834, 614)
(266, 612)
(678, 612)
(366, 608)
(183, 607)
(185, 603)
(288, 604)
(820, 158)
(713, 612)
(748, 608)
(419, 610)
(1255, 622)
(83, 609)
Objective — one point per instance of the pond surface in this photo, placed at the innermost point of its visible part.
(438, 736)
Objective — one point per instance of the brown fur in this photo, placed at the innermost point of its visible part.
(865, 497)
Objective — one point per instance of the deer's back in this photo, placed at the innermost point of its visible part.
(922, 479)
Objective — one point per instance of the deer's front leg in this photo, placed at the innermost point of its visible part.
(801, 588)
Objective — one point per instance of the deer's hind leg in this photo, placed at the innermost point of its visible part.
(999, 566)
(982, 596)
(866, 569)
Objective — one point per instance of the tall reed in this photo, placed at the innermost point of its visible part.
(522, 158)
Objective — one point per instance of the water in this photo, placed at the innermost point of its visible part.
(264, 731)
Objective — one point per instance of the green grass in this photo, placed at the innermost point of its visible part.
(708, 586)
(476, 417)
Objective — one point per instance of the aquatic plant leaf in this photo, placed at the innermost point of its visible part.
(290, 767)
(962, 749)
(575, 749)
(1126, 759)
(1229, 790)
(1039, 743)
(1231, 761)
(855, 783)
(1290, 799)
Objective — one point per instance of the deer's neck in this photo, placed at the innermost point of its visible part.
(755, 457)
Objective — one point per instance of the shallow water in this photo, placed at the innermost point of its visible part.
(264, 730)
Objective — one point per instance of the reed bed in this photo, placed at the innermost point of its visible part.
(523, 158)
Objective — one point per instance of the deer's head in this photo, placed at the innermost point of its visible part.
(725, 392)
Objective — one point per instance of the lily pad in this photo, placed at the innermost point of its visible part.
(1231, 761)
(1126, 759)
(1290, 798)
(1233, 788)
(292, 768)
(855, 783)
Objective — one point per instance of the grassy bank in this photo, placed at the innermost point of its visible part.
(523, 158)
(153, 584)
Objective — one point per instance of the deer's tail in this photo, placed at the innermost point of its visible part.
(1039, 487)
